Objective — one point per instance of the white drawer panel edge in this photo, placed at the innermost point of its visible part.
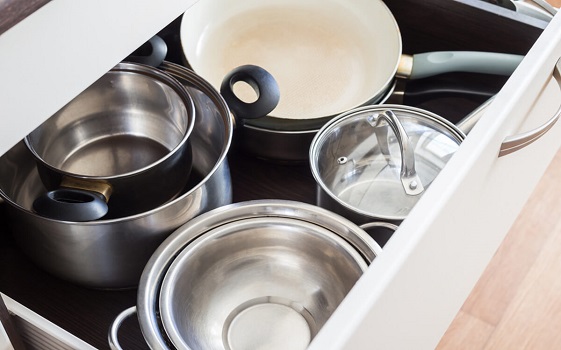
(59, 50)
(411, 292)
(39, 333)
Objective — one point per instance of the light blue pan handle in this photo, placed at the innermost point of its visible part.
(438, 62)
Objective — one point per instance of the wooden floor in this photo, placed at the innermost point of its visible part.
(517, 302)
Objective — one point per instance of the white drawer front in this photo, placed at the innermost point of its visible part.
(37, 332)
(411, 293)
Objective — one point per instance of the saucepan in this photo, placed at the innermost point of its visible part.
(111, 253)
(109, 150)
(375, 162)
(264, 274)
(327, 56)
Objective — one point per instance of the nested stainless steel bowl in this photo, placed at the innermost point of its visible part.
(258, 274)
(262, 282)
(126, 137)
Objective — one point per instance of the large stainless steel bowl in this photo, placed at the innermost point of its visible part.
(260, 273)
(257, 282)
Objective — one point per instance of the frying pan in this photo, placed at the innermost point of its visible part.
(327, 56)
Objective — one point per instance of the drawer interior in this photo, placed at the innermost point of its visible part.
(427, 25)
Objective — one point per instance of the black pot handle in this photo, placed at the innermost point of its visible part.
(422, 91)
(415, 92)
(265, 86)
(152, 53)
(71, 204)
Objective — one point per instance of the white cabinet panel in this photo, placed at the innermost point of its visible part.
(411, 293)
(51, 58)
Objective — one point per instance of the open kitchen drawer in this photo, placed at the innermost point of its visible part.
(413, 290)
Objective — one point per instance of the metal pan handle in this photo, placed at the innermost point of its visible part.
(408, 176)
(379, 231)
(546, 6)
(514, 143)
(113, 336)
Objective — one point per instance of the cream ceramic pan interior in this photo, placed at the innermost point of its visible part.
(328, 56)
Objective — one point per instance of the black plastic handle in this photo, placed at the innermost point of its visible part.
(152, 53)
(265, 86)
(71, 204)
(415, 92)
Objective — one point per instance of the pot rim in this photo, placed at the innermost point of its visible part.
(163, 257)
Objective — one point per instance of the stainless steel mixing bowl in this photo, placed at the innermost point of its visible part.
(257, 282)
(259, 273)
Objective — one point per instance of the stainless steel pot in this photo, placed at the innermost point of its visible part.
(260, 273)
(374, 163)
(109, 150)
(112, 253)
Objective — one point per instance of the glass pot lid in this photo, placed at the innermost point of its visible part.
(379, 160)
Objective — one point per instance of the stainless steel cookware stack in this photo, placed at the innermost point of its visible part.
(111, 252)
